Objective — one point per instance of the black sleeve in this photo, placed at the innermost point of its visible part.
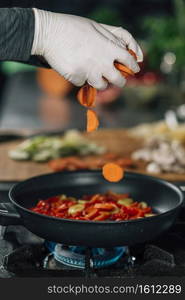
(16, 36)
(16, 33)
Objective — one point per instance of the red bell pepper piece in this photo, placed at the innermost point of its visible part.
(92, 214)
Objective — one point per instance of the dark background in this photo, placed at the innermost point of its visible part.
(126, 8)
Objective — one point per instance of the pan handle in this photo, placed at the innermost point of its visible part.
(9, 215)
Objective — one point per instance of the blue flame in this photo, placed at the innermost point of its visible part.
(75, 255)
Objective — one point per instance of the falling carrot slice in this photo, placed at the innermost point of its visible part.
(87, 95)
(92, 120)
(112, 172)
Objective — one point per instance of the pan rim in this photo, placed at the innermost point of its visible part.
(106, 223)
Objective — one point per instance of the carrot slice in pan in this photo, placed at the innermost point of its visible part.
(112, 172)
(92, 120)
(87, 95)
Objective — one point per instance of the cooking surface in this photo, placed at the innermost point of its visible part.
(116, 141)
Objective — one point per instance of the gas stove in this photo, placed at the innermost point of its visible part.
(22, 254)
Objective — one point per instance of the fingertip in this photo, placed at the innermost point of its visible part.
(137, 50)
(140, 55)
(102, 87)
(125, 58)
(119, 80)
(132, 64)
(100, 84)
(122, 84)
(77, 82)
(114, 77)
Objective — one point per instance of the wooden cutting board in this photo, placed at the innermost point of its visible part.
(117, 141)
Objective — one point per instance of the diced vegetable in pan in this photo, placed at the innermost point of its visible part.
(99, 207)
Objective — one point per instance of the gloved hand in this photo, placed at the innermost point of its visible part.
(83, 50)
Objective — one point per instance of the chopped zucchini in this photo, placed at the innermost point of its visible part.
(126, 201)
(75, 208)
(63, 197)
(143, 205)
(19, 154)
(149, 215)
(41, 156)
(43, 148)
(82, 201)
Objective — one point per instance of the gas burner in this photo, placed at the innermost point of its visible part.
(77, 256)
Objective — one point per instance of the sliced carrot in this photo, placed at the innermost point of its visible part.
(105, 206)
(112, 172)
(92, 120)
(87, 95)
(132, 53)
(58, 164)
(124, 70)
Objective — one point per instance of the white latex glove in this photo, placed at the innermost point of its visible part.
(83, 50)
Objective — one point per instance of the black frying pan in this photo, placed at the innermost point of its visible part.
(164, 197)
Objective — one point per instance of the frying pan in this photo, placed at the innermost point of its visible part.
(164, 197)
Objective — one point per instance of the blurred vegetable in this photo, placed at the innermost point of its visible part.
(126, 201)
(166, 34)
(44, 148)
(89, 162)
